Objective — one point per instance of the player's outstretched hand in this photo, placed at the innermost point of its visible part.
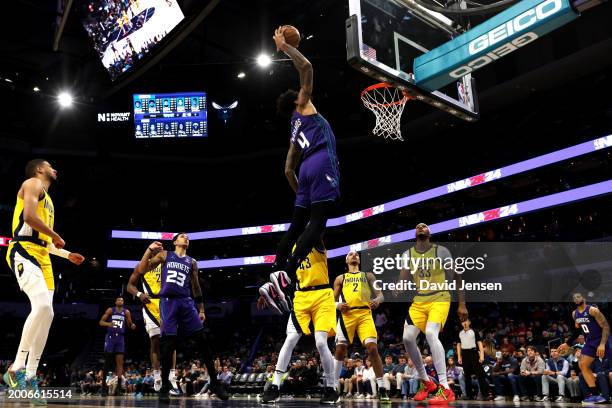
(343, 307)
(601, 351)
(563, 349)
(155, 247)
(202, 317)
(279, 38)
(133, 326)
(76, 258)
(373, 304)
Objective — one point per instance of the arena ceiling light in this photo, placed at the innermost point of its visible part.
(264, 60)
(64, 99)
(240, 75)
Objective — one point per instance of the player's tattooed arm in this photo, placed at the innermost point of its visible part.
(196, 289)
(152, 257)
(301, 63)
(104, 319)
(378, 295)
(293, 158)
(605, 330)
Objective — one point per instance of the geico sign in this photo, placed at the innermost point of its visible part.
(519, 23)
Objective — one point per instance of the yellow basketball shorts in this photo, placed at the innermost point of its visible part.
(420, 313)
(316, 306)
(29, 262)
(358, 321)
(151, 316)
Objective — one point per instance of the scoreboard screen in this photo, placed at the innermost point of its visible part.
(170, 115)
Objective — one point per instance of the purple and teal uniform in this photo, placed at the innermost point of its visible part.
(178, 311)
(115, 340)
(319, 177)
(592, 333)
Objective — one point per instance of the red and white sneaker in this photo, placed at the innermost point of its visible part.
(425, 388)
(443, 396)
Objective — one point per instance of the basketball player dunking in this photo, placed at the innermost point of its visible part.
(353, 292)
(151, 284)
(114, 343)
(179, 278)
(28, 257)
(313, 302)
(428, 312)
(597, 344)
(317, 189)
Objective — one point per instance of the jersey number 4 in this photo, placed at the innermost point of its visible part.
(176, 277)
(302, 141)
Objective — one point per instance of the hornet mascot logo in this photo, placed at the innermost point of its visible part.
(225, 112)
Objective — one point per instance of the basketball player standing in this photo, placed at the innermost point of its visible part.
(318, 186)
(28, 257)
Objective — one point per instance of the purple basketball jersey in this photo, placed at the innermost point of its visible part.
(118, 321)
(176, 276)
(588, 324)
(312, 133)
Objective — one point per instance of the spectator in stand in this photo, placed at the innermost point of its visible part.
(381, 319)
(580, 342)
(410, 381)
(557, 369)
(148, 383)
(388, 369)
(507, 345)
(225, 377)
(530, 379)
(369, 381)
(311, 374)
(573, 385)
(454, 375)
(470, 352)
(293, 383)
(504, 374)
(430, 369)
(357, 378)
(201, 384)
(345, 385)
(395, 377)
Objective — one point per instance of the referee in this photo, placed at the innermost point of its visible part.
(470, 353)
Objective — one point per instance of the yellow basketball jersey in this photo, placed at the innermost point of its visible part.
(23, 231)
(313, 269)
(151, 284)
(356, 289)
(428, 269)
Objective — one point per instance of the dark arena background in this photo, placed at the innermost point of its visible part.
(160, 116)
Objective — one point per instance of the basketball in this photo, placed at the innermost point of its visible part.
(292, 35)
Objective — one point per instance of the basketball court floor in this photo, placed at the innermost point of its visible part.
(130, 402)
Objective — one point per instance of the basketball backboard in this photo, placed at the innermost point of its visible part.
(385, 36)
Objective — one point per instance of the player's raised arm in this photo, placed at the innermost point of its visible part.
(293, 158)
(301, 63)
(153, 256)
(104, 319)
(197, 290)
(32, 190)
(132, 289)
(605, 330)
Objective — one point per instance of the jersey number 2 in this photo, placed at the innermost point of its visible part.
(176, 277)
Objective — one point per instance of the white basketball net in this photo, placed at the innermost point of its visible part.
(387, 103)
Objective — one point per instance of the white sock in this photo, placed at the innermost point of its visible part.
(41, 300)
(327, 360)
(380, 382)
(411, 333)
(437, 351)
(337, 369)
(284, 356)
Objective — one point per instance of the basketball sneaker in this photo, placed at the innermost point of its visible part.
(594, 399)
(283, 288)
(157, 381)
(15, 379)
(425, 388)
(383, 396)
(269, 294)
(443, 396)
(32, 384)
(330, 396)
(272, 394)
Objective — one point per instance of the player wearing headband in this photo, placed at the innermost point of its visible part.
(353, 292)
